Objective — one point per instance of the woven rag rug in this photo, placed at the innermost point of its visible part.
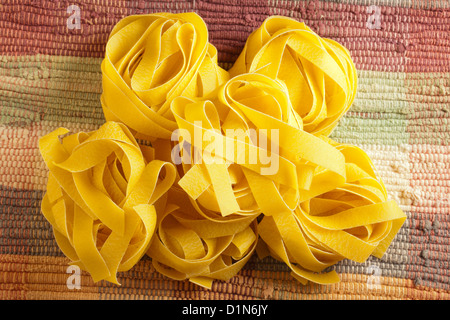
(50, 77)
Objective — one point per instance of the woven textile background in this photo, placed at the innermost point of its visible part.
(50, 77)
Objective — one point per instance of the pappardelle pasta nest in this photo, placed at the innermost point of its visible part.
(199, 168)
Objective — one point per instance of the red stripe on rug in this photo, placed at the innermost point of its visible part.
(402, 34)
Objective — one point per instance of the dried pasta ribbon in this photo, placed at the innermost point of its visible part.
(102, 197)
(318, 72)
(351, 222)
(190, 245)
(239, 162)
(151, 59)
(254, 154)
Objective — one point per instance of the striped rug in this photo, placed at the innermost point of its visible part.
(50, 77)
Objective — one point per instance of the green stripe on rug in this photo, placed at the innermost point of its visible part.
(57, 89)
(61, 90)
(379, 113)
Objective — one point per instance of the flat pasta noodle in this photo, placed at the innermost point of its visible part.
(237, 140)
(319, 73)
(151, 59)
(101, 198)
(228, 163)
(191, 246)
(342, 223)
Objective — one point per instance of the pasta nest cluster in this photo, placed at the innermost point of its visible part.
(198, 167)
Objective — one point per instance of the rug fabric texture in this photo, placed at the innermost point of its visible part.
(50, 77)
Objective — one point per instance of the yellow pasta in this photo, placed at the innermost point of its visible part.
(319, 73)
(101, 198)
(240, 161)
(353, 221)
(248, 118)
(151, 59)
(191, 245)
(238, 154)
